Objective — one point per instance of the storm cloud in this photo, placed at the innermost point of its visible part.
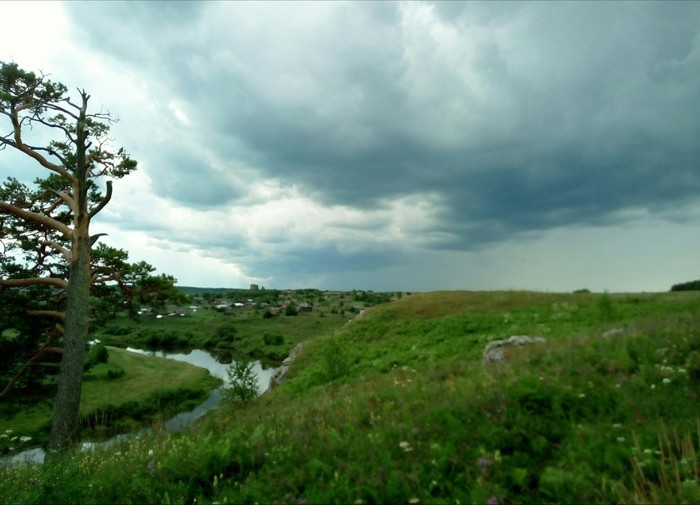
(394, 128)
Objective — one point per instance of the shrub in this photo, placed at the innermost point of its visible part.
(96, 354)
(115, 373)
(243, 383)
(335, 359)
(606, 308)
(270, 339)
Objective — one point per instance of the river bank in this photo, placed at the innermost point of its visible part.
(169, 390)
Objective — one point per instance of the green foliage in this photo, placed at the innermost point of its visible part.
(687, 286)
(291, 310)
(411, 415)
(335, 359)
(242, 382)
(96, 354)
(270, 339)
(606, 308)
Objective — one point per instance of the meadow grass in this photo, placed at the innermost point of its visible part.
(397, 407)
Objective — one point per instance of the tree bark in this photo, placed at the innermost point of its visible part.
(66, 410)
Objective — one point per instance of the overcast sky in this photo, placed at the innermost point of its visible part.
(390, 146)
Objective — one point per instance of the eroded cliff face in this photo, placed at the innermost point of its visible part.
(280, 373)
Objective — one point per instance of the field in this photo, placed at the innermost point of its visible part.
(398, 407)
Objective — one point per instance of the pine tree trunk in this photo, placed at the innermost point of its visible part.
(66, 409)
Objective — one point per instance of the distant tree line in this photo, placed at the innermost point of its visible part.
(687, 286)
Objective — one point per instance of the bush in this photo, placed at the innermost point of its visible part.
(96, 354)
(335, 360)
(273, 339)
(243, 383)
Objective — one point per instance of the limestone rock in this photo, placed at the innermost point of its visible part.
(280, 373)
(496, 351)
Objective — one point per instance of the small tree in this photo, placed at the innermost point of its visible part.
(46, 238)
(243, 383)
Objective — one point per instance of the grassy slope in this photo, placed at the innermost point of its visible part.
(147, 380)
(397, 408)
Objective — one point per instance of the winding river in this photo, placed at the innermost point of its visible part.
(195, 357)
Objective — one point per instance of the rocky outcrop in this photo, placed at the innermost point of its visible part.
(496, 351)
(280, 373)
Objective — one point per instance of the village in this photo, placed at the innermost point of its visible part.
(271, 302)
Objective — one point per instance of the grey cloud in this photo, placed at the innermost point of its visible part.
(188, 179)
(587, 108)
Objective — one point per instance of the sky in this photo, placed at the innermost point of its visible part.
(391, 146)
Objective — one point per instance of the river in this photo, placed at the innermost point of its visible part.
(195, 357)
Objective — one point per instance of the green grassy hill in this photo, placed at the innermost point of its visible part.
(397, 407)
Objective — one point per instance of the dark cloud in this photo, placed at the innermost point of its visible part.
(186, 177)
(521, 116)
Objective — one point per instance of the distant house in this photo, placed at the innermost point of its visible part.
(305, 307)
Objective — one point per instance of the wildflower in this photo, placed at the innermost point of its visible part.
(414, 500)
(617, 426)
(150, 452)
(492, 501)
(405, 446)
(484, 464)
(582, 395)
(8, 431)
(620, 439)
(25, 439)
(666, 380)
(653, 386)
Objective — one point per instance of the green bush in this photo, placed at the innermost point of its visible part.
(96, 354)
(270, 339)
(243, 383)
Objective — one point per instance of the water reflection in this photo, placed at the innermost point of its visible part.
(206, 360)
